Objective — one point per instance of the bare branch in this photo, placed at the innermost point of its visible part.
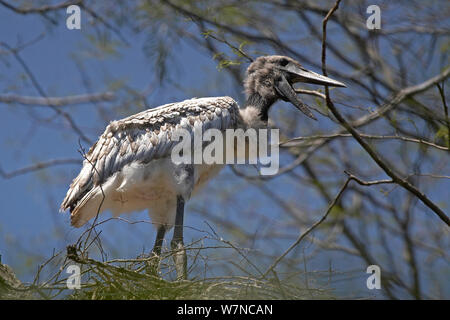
(38, 166)
(367, 183)
(233, 47)
(103, 21)
(444, 103)
(311, 92)
(310, 229)
(400, 96)
(381, 163)
(41, 91)
(57, 101)
(299, 141)
(42, 9)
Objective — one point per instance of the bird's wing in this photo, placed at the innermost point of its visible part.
(146, 136)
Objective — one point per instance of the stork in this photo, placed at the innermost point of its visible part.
(129, 168)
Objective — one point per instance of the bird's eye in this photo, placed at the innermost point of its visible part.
(284, 62)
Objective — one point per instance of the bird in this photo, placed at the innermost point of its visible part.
(130, 169)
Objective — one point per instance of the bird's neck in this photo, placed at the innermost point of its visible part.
(256, 110)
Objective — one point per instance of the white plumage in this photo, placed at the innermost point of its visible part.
(131, 161)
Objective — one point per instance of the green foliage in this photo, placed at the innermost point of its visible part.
(443, 134)
(224, 63)
(101, 46)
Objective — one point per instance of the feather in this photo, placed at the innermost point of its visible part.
(141, 138)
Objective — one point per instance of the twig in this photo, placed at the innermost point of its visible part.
(367, 183)
(85, 246)
(324, 38)
(295, 142)
(57, 101)
(444, 103)
(310, 229)
(362, 121)
(41, 91)
(103, 21)
(239, 50)
(42, 9)
(38, 166)
(311, 92)
(397, 179)
(400, 97)
(220, 239)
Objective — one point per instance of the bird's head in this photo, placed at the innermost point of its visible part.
(270, 78)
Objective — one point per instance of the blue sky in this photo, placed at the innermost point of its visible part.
(29, 222)
(30, 225)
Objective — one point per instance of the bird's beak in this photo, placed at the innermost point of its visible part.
(300, 74)
(295, 74)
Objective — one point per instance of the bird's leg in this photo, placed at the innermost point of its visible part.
(179, 253)
(184, 178)
(159, 240)
(153, 265)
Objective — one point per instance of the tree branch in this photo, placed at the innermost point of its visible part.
(57, 101)
(382, 164)
(299, 141)
(310, 229)
(40, 10)
(41, 91)
(37, 166)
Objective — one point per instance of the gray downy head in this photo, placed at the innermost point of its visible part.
(270, 78)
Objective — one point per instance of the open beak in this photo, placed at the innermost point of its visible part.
(293, 73)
